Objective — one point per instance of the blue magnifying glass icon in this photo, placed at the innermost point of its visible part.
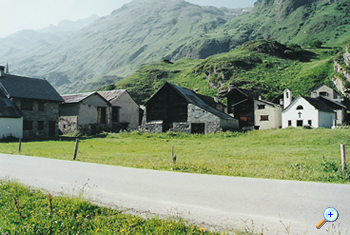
(330, 215)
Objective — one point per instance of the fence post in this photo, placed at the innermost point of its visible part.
(174, 155)
(20, 145)
(343, 157)
(76, 148)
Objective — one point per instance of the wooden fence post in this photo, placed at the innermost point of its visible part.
(174, 155)
(20, 145)
(76, 148)
(343, 157)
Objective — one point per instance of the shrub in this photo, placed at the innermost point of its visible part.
(315, 44)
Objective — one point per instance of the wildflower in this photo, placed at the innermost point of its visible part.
(73, 227)
(78, 216)
(122, 231)
(133, 219)
(97, 230)
(171, 225)
(202, 230)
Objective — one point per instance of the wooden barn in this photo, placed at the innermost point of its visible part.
(174, 108)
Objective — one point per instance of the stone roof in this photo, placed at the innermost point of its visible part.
(111, 95)
(76, 98)
(28, 88)
(193, 98)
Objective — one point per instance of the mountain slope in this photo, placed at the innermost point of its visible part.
(261, 68)
(293, 21)
(140, 32)
(144, 32)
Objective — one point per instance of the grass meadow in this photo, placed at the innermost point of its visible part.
(28, 211)
(287, 154)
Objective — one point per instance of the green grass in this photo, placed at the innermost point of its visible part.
(288, 154)
(28, 211)
(264, 74)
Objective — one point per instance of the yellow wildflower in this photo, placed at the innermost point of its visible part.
(202, 230)
(97, 230)
(122, 231)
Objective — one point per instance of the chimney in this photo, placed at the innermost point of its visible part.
(2, 71)
(216, 99)
(260, 98)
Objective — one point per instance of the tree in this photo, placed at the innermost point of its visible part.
(315, 44)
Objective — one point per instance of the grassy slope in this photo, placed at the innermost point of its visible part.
(267, 75)
(292, 154)
(35, 214)
(323, 21)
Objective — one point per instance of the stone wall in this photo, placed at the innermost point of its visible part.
(198, 115)
(182, 127)
(153, 127)
(129, 111)
(49, 117)
(68, 124)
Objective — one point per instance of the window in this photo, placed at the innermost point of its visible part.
(101, 115)
(115, 114)
(261, 106)
(264, 117)
(26, 105)
(40, 125)
(300, 107)
(287, 95)
(299, 122)
(324, 93)
(41, 106)
(27, 125)
(309, 122)
(289, 122)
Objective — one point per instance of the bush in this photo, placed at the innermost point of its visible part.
(315, 44)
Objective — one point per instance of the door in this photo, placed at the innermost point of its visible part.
(52, 129)
(197, 128)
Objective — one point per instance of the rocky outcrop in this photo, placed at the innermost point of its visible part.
(342, 73)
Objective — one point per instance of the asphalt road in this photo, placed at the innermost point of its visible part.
(212, 201)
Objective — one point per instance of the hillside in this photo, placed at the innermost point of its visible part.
(140, 32)
(146, 32)
(261, 67)
(293, 21)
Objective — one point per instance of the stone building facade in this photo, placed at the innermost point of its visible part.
(88, 113)
(174, 108)
(37, 100)
(125, 111)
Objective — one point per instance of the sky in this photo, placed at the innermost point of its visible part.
(37, 14)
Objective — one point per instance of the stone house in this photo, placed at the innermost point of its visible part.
(125, 111)
(267, 115)
(326, 91)
(253, 113)
(174, 108)
(38, 102)
(88, 113)
(11, 119)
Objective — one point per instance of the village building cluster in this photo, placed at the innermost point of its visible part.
(32, 109)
